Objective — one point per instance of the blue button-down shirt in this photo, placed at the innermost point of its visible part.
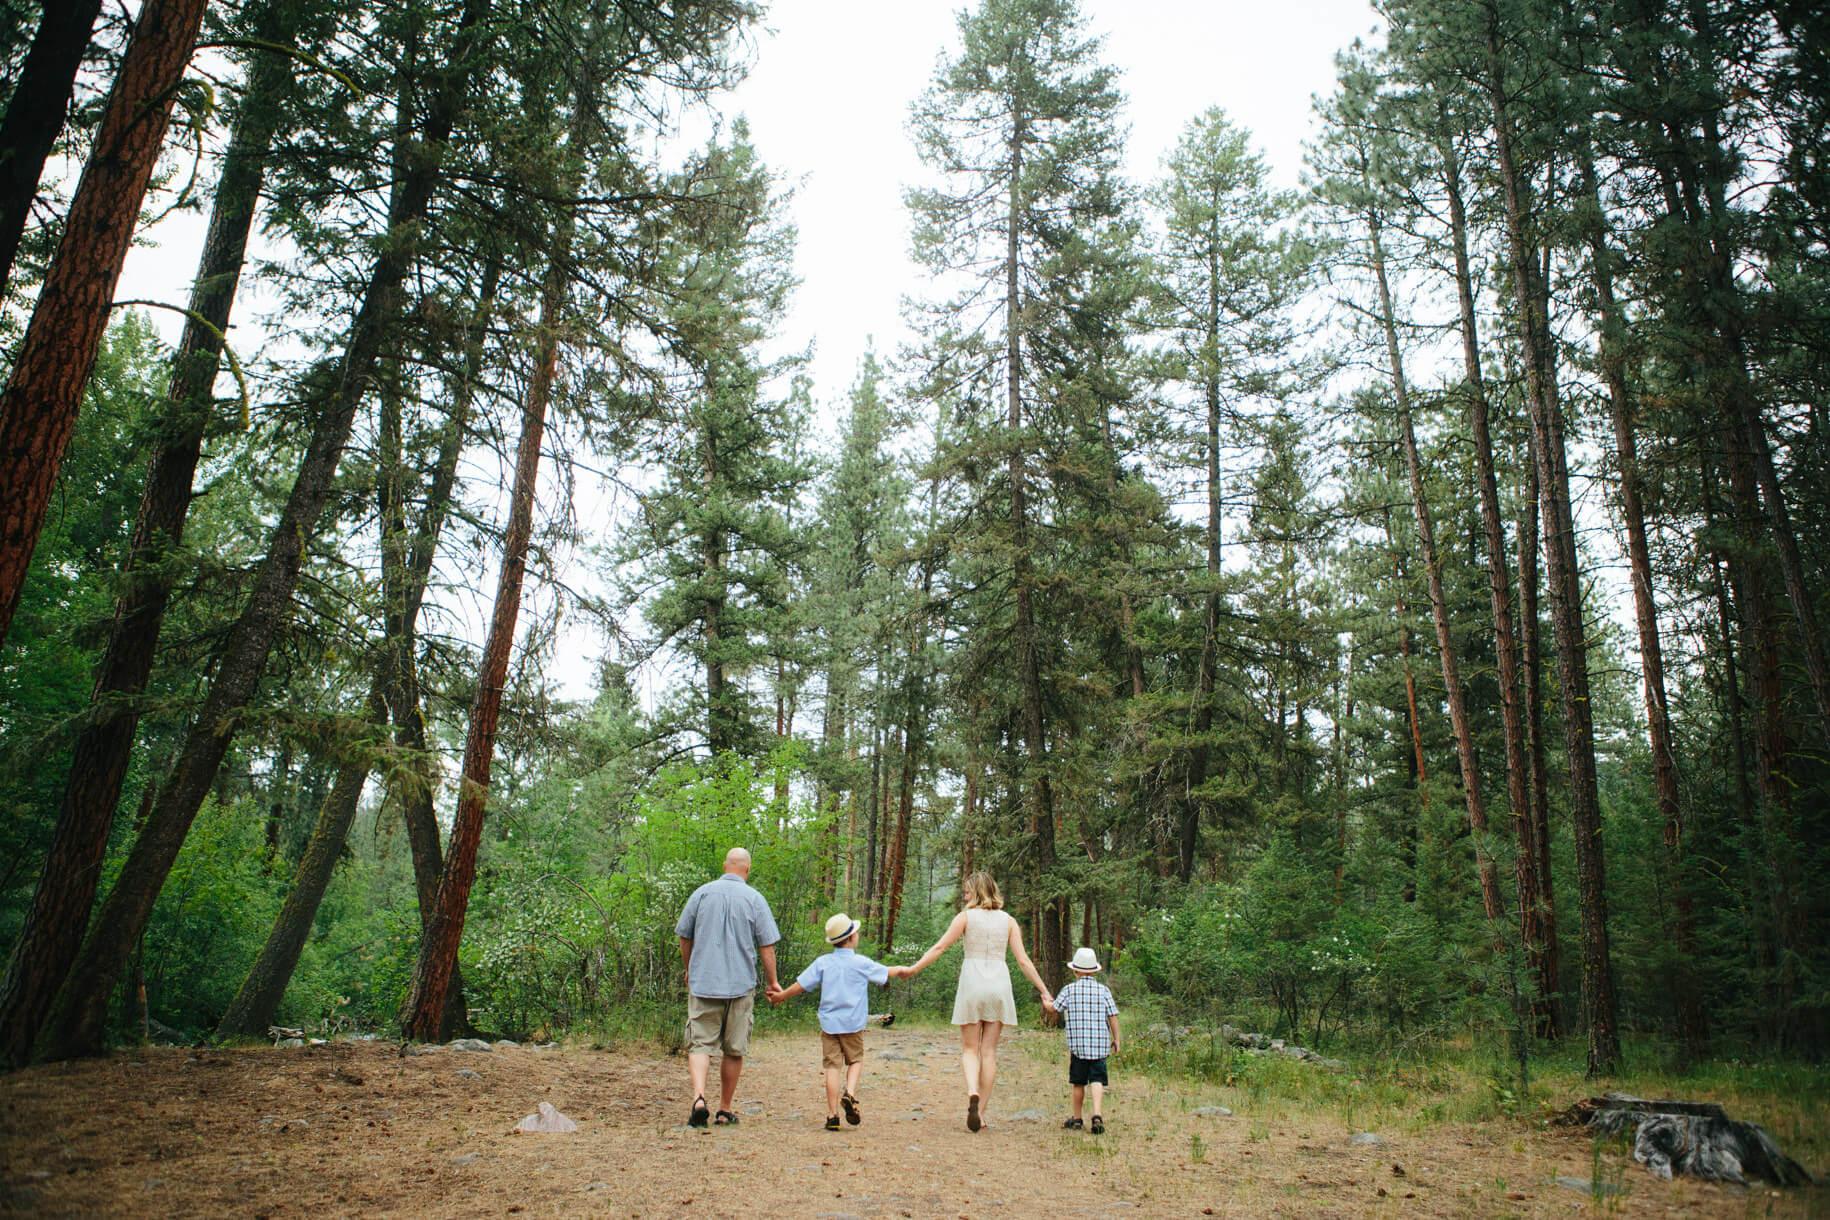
(727, 922)
(843, 978)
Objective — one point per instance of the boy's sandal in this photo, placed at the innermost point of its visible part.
(724, 1118)
(1073, 1124)
(701, 1113)
(1099, 1125)
(832, 1122)
(851, 1109)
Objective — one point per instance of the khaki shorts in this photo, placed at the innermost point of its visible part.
(719, 1025)
(841, 1050)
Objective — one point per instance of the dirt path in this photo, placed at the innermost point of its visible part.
(355, 1129)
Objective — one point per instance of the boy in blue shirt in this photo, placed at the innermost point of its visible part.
(843, 978)
(1091, 1016)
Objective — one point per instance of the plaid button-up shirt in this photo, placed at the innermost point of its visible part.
(1084, 1006)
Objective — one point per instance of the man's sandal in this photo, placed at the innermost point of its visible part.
(851, 1109)
(832, 1122)
(701, 1113)
(725, 1118)
(1099, 1125)
(1072, 1124)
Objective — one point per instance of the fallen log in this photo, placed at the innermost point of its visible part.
(1693, 1137)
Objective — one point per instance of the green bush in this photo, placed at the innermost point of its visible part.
(211, 919)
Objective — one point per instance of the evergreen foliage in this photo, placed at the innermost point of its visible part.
(1206, 569)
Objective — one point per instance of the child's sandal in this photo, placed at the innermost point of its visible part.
(1099, 1125)
(832, 1122)
(1072, 1124)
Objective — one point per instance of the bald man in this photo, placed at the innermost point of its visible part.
(725, 927)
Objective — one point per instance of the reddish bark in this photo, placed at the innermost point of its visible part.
(422, 1017)
(79, 1016)
(1485, 869)
(39, 405)
(1499, 584)
(406, 567)
(1693, 1022)
(99, 759)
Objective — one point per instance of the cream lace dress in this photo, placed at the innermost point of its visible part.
(984, 977)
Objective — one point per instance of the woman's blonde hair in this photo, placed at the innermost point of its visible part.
(982, 891)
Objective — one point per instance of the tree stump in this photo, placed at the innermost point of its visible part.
(1694, 1137)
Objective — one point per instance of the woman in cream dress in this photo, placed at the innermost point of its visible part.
(983, 1005)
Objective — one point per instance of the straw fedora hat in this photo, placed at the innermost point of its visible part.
(839, 928)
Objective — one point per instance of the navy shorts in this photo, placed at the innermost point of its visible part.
(1086, 1071)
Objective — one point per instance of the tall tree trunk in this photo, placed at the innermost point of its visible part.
(897, 862)
(1420, 775)
(914, 737)
(35, 115)
(1750, 577)
(720, 729)
(1439, 603)
(39, 405)
(406, 569)
(873, 812)
(1732, 697)
(1687, 993)
(1692, 164)
(1189, 838)
(99, 759)
(1499, 585)
(1599, 1006)
(80, 1014)
(1547, 1018)
(1050, 949)
(423, 1015)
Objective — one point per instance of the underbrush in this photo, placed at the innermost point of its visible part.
(1455, 1081)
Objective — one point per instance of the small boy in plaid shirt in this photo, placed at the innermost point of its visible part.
(1087, 1008)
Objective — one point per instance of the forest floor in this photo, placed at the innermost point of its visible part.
(354, 1128)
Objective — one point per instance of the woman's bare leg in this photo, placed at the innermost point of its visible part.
(989, 1033)
(969, 1055)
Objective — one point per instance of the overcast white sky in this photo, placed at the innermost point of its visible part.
(828, 102)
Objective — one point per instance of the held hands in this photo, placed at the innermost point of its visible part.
(774, 992)
(901, 972)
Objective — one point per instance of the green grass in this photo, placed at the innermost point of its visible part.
(1453, 1082)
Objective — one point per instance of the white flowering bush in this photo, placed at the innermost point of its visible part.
(1277, 952)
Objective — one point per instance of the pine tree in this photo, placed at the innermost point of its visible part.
(1232, 274)
(1021, 126)
(714, 538)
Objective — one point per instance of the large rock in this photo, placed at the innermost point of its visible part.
(547, 1121)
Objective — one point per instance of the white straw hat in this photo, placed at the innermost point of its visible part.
(839, 928)
(1084, 961)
